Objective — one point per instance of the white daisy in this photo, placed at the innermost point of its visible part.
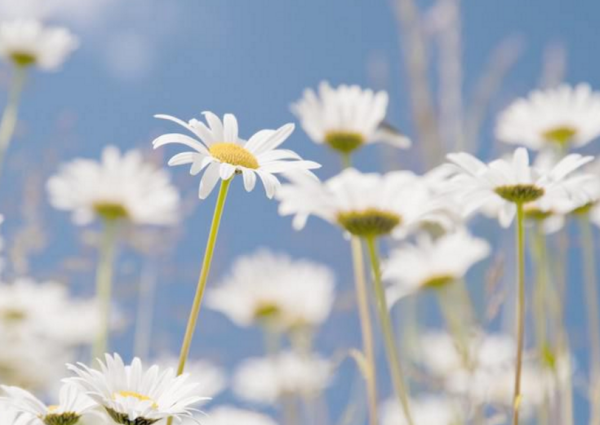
(28, 42)
(425, 410)
(563, 115)
(72, 405)
(366, 205)
(10, 416)
(131, 395)
(432, 263)
(275, 290)
(121, 186)
(266, 380)
(210, 378)
(227, 415)
(223, 153)
(508, 183)
(346, 118)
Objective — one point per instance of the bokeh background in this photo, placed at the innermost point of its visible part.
(253, 58)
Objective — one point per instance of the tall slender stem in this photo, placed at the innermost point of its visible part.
(366, 326)
(104, 275)
(388, 332)
(8, 122)
(520, 242)
(593, 317)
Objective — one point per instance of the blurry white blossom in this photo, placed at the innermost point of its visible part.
(425, 410)
(275, 289)
(227, 415)
(266, 380)
(29, 43)
(120, 186)
(211, 379)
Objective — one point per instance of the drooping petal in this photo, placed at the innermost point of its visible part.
(209, 180)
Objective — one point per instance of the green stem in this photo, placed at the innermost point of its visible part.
(346, 160)
(447, 298)
(362, 299)
(388, 332)
(8, 122)
(520, 242)
(104, 274)
(593, 317)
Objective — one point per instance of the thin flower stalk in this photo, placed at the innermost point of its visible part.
(388, 331)
(8, 123)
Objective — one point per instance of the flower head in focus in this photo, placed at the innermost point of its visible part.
(72, 405)
(346, 118)
(275, 290)
(266, 380)
(119, 187)
(28, 43)
(562, 116)
(432, 263)
(131, 395)
(508, 183)
(223, 153)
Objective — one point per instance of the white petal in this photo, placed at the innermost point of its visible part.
(230, 131)
(209, 180)
(249, 179)
(166, 139)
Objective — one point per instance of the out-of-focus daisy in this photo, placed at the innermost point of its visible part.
(266, 380)
(563, 115)
(131, 395)
(120, 186)
(426, 410)
(227, 415)
(28, 43)
(223, 153)
(346, 118)
(210, 378)
(432, 263)
(365, 205)
(72, 405)
(12, 417)
(275, 290)
(508, 183)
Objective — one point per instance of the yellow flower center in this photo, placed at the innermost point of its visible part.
(520, 193)
(23, 59)
(561, 135)
(369, 223)
(344, 141)
(138, 396)
(234, 154)
(535, 214)
(266, 311)
(437, 282)
(12, 315)
(111, 210)
(584, 209)
(66, 418)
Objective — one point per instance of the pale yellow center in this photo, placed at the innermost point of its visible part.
(23, 59)
(234, 154)
(133, 394)
(561, 135)
(344, 141)
(111, 210)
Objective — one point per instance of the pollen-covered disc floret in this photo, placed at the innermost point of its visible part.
(223, 153)
(132, 396)
(72, 405)
(366, 205)
(346, 117)
(561, 116)
(502, 184)
(28, 43)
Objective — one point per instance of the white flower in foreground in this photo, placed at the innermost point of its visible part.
(227, 415)
(275, 290)
(131, 395)
(28, 42)
(432, 263)
(508, 183)
(366, 205)
(120, 186)
(266, 380)
(12, 417)
(223, 153)
(425, 410)
(211, 379)
(563, 115)
(71, 406)
(346, 118)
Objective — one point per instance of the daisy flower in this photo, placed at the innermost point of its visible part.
(266, 380)
(346, 118)
(275, 290)
(227, 415)
(131, 395)
(434, 410)
(28, 43)
(223, 153)
(562, 116)
(432, 263)
(120, 186)
(12, 417)
(365, 205)
(509, 183)
(72, 405)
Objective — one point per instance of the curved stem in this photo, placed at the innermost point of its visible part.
(104, 274)
(593, 317)
(8, 122)
(388, 332)
(520, 242)
(366, 326)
